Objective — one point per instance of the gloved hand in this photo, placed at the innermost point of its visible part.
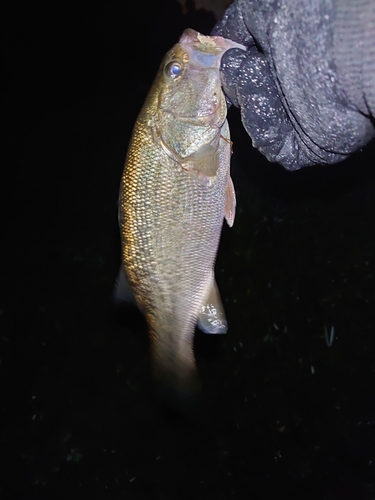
(305, 85)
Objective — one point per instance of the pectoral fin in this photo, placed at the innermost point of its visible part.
(211, 318)
(122, 293)
(230, 203)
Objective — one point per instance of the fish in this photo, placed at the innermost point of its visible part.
(175, 193)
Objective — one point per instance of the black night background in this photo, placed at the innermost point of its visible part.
(289, 392)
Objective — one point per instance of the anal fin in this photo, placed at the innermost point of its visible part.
(211, 318)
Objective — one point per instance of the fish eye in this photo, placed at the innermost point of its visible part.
(173, 69)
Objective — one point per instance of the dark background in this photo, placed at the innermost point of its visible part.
(289, 407)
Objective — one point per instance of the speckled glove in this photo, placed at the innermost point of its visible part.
(305, 86)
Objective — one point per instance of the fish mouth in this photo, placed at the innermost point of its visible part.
(195, 119)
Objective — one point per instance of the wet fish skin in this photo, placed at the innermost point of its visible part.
(174, 194)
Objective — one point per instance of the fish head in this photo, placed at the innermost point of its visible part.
(191, 107)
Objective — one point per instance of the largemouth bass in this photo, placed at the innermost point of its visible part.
(175, 192)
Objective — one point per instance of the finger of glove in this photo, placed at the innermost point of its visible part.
(231, 63)
(232, 26)
(258, 98)
(263, 114)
